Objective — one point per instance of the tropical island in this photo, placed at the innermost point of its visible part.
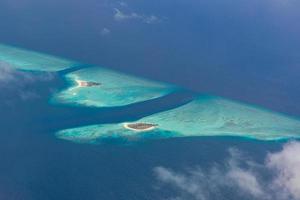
(140, 126)
(87, 83)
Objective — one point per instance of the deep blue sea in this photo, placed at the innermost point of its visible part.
(242, 50)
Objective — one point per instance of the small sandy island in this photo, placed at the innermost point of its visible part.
(140, 126)
(87, 83)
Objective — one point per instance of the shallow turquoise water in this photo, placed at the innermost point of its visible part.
(115, 89)
(204, 116)
(29, 60)
(242, 50)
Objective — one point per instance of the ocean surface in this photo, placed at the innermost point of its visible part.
(245, 51)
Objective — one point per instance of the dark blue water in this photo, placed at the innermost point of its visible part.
(244, 50)
(36, 165)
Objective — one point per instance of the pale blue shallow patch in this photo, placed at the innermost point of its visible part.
(205, 116)
(115, 89)
(29, 60)
(94, 134)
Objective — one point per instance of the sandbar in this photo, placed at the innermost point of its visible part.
(81, 83)
(140, 126)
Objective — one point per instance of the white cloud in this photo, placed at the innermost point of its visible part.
(243, 178)
(151, 19)
(12, 76)
(287, 165)
(189, 185)
(18, 81)
(6, 74)
(121, 16)
(240, 175)
(246, 181)
(122, 3)
(105, 31)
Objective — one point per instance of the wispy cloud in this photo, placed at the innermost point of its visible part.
(9, 75)
(6, 74)
(152, 19)
(18, 81)
(123, 4)
(121, 16)
(240, 175)
(105, 31)
(286, 165)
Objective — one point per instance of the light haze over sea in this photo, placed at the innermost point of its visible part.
(242, 50)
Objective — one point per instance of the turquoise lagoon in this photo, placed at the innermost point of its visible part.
(33, 61)
(204, 116)
(113, 89)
